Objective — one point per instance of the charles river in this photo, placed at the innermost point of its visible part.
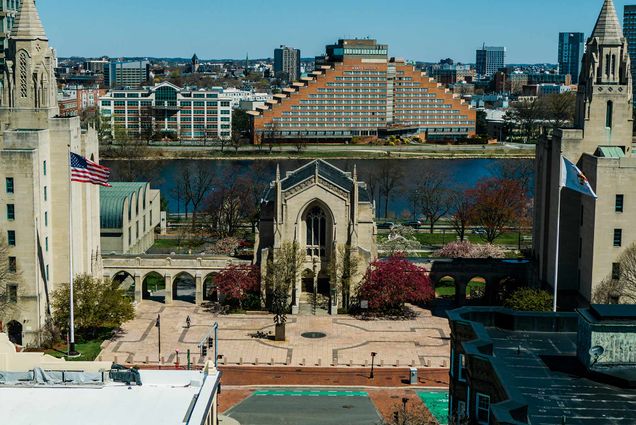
(460, 173)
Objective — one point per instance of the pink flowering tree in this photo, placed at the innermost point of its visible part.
(465, 249)
(392, 282)
(237, 282)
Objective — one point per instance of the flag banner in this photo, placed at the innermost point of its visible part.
(43, 274)
(86, 171)
(573, 178)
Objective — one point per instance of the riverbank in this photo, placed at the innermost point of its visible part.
(334, 152)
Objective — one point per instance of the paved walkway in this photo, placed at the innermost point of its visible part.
(422, 342)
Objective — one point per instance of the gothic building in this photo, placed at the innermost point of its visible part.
(35, 188)
(593, 232)
(328, 214)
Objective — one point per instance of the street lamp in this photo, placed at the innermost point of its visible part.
(373, 354)
(158, 326)
(404, 401)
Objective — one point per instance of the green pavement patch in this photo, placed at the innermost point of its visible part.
(437, 403)
(305, 393)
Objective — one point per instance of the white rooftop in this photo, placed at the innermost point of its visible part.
(165, 397)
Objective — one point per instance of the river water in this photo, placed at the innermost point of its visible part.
(460, 174)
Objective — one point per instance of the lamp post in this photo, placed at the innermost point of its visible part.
(158, 326)
(373, 354)
(404, 401)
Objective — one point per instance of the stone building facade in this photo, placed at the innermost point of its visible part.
(325, 211)
(593, 233)
(35, 190)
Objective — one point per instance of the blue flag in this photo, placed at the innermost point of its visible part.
(573, 178)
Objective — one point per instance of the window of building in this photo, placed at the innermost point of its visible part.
(616, 271)
(618, 237)
(9, 185)
(47, 272)
(44, 167)
(46, 218)
(46, 194)
(461, 369)
(482, 408)
(619, 203)
(46, 244)
(316, 232)
(609, 114)
(10, 212)
(452, 362)
(11, 237)
(461, 411)
(12, 294)
(13, 265)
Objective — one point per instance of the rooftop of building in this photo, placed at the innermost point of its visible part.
(164, 397)
(534, 356)
(112, 200)
(329, 172)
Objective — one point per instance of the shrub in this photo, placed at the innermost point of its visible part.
(238, 282)
(528, 299)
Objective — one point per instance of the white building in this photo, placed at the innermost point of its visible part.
(168, 109)
(238, 95)
(35, 188)
(38, 389)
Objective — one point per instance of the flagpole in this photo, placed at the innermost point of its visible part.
(556, 256)
(71, 347)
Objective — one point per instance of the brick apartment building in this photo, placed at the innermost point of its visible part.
(357, 91)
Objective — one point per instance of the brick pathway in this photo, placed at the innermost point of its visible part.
(422, 342)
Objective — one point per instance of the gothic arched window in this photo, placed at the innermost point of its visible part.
(609, 114)
(607, 65)
(23, 73)
(316, 232)
(614, 66)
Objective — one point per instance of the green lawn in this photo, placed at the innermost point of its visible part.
(89, 350)
(446, 288)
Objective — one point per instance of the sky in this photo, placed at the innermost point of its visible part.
(421, 30)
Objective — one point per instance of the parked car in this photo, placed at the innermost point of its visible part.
(388, 225)
(479, 231)
(416, 224)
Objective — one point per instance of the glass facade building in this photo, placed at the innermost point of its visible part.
(629, 30)
(571, 50)
(489, 60)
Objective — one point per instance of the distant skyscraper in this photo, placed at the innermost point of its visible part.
(8, 12)
(124, 74)
(629, 29)
(571, 49)
(287, 63)
(490, 60)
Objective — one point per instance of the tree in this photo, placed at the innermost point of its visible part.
(482, 123)
(520, 171)
(9, 282)
(460, 208)
(236, 282)
(389, 178)
(620, 286)
(432, 196)
(196, 184)
(497, 204)
(98, 304)
(526, 115)
(344, 267)
(528, 299)
(411, 414)
(559, 109)
(389, 284)
(465, 249)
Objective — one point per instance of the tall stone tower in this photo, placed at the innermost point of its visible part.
(35, 181)
(593, 233)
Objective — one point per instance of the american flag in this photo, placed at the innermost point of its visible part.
(86, 171)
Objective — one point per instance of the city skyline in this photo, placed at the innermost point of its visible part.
(427, 33)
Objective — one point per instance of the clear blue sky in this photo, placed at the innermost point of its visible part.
(425, 30)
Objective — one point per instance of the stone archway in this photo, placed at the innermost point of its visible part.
(14, 330)
(476, 288)
(154, 287)
(126, 282)
(210, 294)
(184, 288)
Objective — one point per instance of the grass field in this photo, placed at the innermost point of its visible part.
(88, 349)
(446, 288)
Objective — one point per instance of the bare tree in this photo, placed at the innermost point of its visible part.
(389, 179)
(196, 184)
(519, 171)
(432, 195)
(9, 282)
(461, 213)
(620, 287)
